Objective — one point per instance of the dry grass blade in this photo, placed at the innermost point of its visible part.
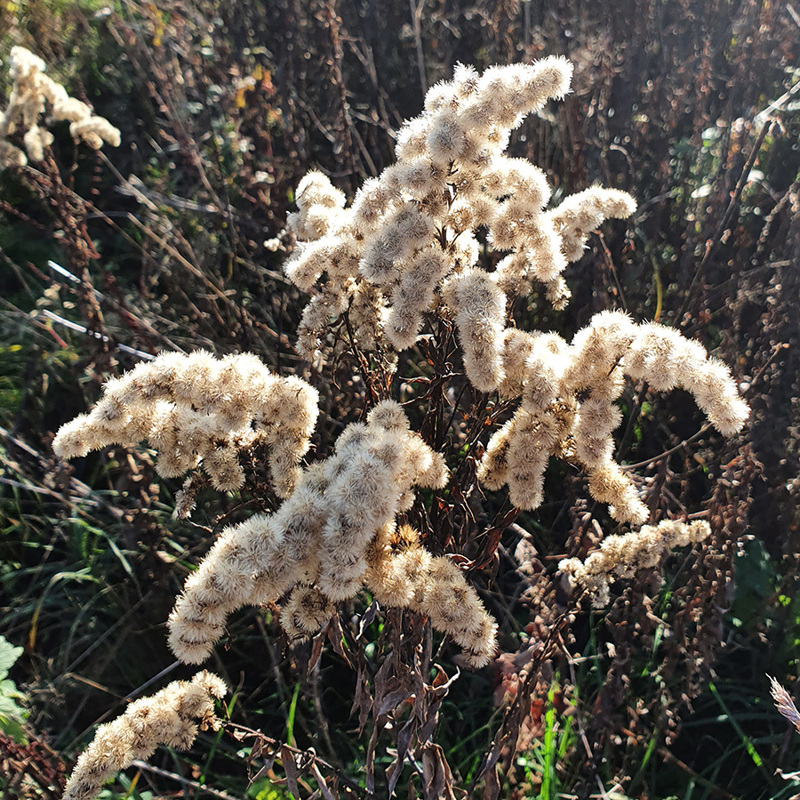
(784, 703)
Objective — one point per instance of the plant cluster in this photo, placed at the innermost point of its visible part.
(409, 254)
(197, 409)
(32, 93)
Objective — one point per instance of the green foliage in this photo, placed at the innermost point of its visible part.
(12, 715)
(265, 789)
(551, 754)
(756, 583)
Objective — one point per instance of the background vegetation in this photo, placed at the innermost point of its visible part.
(159, 245)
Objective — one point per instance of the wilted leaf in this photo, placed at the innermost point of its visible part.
(290, 768)
(436, 774)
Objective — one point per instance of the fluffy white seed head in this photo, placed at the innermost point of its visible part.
(31, 94)
(169, 717)
(197, 409)
(623, 556)
(320, 537)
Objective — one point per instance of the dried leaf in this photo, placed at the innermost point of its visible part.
(367, 618)
(491, 787)
(290, 768)
(403, 741)
(391, 701)
(377, 727)
(324, 789)
(362, 699)
(335, 638)
(437, 778)
(316, 649)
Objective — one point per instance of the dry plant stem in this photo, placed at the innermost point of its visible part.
(346, 131)
(669, 452)
(716, 240)
(241, 731)
(508, 732)
(200, 787)
(416, 7)
(32, 93)
(71, 212)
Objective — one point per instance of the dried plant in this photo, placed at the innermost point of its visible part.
(197, 409)
(784, 703)
(435, 249)
(31, 94)
(168, 717)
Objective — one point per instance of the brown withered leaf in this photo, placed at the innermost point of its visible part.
(491, 786)
(324, 789)
(390, 701)
(382, 678)
(335, 638)
(290, 768)
(395, 769)
(369, 766)
(316, 649)
(362, 699)
(437, 779)
(429, 724)
(367, 618)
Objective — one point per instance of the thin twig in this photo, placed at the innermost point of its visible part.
(306, 754)
(716, 240)
(669, 452)
(201, 787)
(416, 17)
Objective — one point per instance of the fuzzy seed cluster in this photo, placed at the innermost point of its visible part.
(32, 93)
(402, 574)
(169, 717)
(623, 556)
(568, 404)
(197, 409)
(318, 543)
(410, 234)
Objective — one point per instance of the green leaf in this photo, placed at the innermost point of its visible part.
(12, 728)
(8, 708)
(8, 656)
(9, 689)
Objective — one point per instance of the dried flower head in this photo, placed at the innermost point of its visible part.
(197, 409)
(33, 93)
(784, 703)
(410, 232)
(320, 537)
(169, 717)
(568, 407)
(435, 587)
(623, 556)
